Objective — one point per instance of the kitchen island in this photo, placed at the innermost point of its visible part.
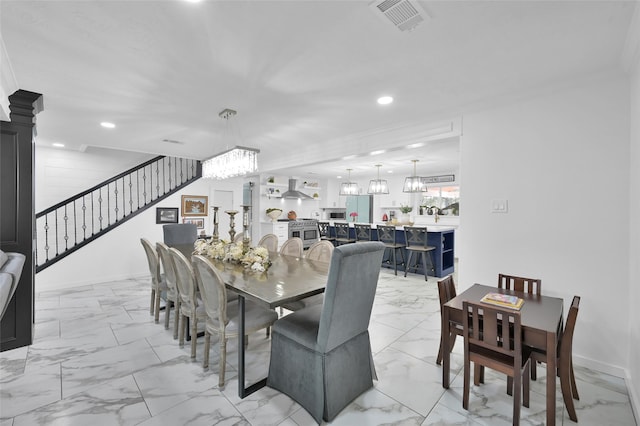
(441, 237)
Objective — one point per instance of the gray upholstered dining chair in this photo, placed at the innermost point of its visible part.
(270, 242)
(179, 233)
(292, 247)
(158, 284)
(321, 355)
(191, 307)
(320, 251)
(173, 295)
(222, 315)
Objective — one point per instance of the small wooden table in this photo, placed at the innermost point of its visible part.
(542, 322)
(288, 279)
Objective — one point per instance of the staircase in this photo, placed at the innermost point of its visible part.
(76, 221)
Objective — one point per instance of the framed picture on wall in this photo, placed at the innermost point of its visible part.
(194, 205)
(166, 215)
(198, 222)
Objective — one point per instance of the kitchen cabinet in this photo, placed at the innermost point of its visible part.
(279, 229)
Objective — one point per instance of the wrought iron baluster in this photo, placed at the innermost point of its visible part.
(75, 224)
(84, 219)
(171, 187)
(144, 184)
(164, 178)
(157, 180)
(46, 237)
(130, 195)
(138, 187)
(66, 231)
(124, 201)
(100, 207)
(108, 206)
(56, 232)
(115, 197)
(93, 214)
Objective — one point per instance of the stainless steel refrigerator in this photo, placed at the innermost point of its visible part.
(362, 205)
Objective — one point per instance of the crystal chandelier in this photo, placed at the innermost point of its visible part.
(378, 186)
(237, 161)
(349, 188)
(415, 183)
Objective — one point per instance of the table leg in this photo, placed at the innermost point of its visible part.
(446, 345)
(242, 391)
(552, 340)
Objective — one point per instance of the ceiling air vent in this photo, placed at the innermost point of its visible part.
(405, 15)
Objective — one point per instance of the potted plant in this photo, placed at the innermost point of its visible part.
(405, 210)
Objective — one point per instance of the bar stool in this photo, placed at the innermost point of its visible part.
(324, 230)
(416, 239)
(363, 232)
(342, 233)
(387, 235)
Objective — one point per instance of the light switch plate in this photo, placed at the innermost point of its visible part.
(499, 205)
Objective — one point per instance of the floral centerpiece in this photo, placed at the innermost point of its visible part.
(353, 216)
(255, 258)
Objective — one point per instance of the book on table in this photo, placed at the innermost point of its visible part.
(503, 300)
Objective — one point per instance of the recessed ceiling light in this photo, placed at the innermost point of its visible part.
(192, 1)
(415, 145)
(348, 157)
(385, 100)
(107, 125)
(58, 145)
(381, 151)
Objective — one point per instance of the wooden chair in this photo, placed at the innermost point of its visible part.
(493, 339)
(342, 233)
(173, 296)
(324, 230)
(387, 236)
(416, 239)
(565, 360)
(363, 232)
(158, 283)
(447, 291)
(223, 315)
(525, 285)
(292, 247)
(270, 242)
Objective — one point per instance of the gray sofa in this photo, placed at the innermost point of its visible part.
(11, 265)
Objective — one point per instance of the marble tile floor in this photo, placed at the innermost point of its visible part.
(98, 358)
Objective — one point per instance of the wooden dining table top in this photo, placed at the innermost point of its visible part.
(538, 312)
(288, 279)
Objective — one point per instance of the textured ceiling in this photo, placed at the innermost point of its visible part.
(303, 75)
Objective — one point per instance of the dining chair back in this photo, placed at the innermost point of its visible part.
(447, 291)
(363, 232)
(320, 251)
(416, 238)
(493, 338)
(525, 285)
(324, 230)
(158, 284)
(565, 360)
(270, 242)
(321, 355)
(292, 247)
(190, 307)
(179, 233)
(342, 233)
(387, 235)
(222, 315)
(173, 297)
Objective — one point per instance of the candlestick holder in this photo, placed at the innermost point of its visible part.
(246, 240)
(215, 238)
(232, 232)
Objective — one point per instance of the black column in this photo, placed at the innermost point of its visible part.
(17, 212)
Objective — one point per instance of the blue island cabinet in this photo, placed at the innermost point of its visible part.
(440, 237)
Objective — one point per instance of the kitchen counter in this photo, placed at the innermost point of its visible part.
(439, 236)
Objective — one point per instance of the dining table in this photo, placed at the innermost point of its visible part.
(542, 323)
(288, 279)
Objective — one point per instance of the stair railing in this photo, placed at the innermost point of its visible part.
(78, 220)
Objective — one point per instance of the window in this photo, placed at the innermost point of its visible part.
(445, 198)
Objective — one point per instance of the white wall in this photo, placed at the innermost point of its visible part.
(633, 381)
(118, 254)
(562, 162)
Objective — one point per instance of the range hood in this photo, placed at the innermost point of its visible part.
(293, 193)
